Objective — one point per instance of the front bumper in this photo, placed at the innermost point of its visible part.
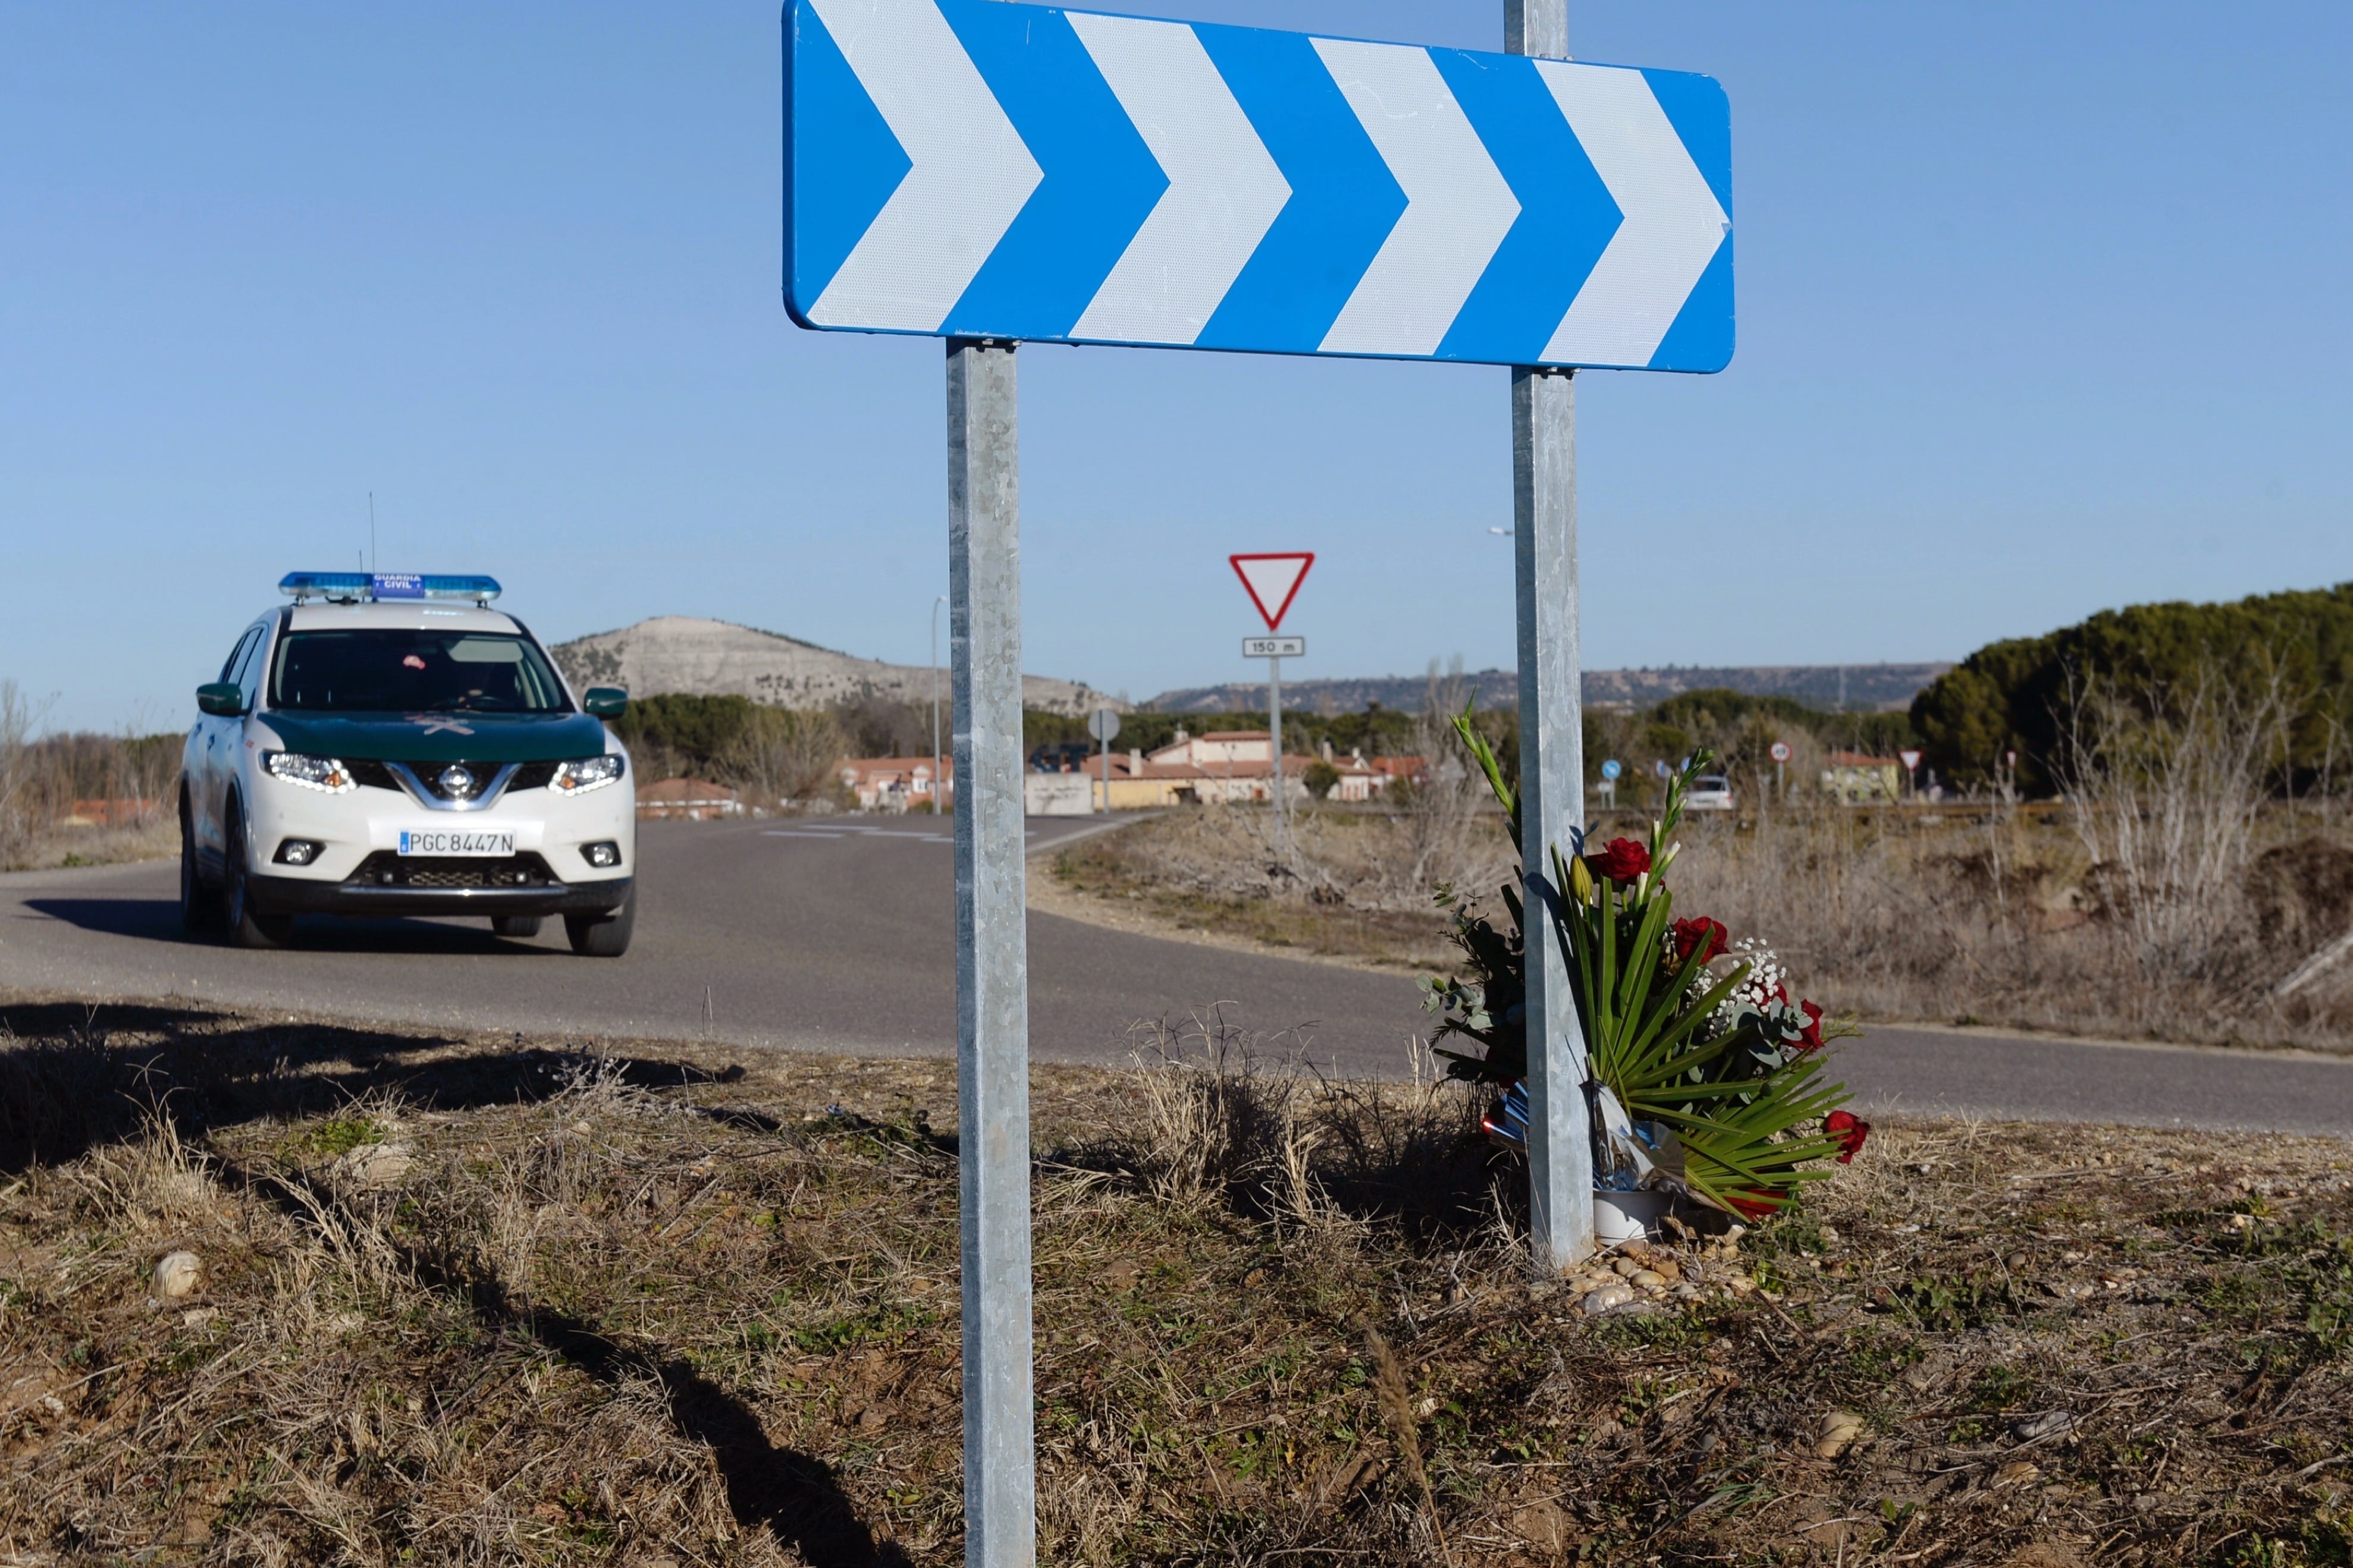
(305, 896)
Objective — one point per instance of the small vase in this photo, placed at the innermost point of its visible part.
(1621, 1216)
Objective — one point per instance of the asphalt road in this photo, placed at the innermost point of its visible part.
(838, 934)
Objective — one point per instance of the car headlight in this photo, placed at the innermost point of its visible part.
(326, 774)
(587, 774)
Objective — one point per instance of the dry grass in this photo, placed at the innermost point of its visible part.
(1349, 887)
(1981, 914)
(2003, 917)
(489, 1299)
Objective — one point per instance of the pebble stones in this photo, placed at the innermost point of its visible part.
(178, 1274)
(1638, 1278)
(2034, 1428)
(378, 1164)
(1841, 1429)
(1608, 1298)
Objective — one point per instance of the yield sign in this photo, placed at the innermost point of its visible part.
(1272, 580)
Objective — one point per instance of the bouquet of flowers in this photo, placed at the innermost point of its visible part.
(1706, 1075)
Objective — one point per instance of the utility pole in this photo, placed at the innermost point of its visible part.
(1551, 754)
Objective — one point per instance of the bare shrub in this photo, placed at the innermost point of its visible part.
(1448, 816)
(2165, 789)
(19, 804)
(787, 756)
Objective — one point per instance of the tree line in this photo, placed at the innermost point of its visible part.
(2035, 696)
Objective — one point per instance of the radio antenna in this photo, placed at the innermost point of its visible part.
(371, 530)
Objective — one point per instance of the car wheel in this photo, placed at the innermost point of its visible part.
(515, 925)
(604, 936)
(200, 901)
(247, 927)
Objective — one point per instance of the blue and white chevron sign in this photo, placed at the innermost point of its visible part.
(974, 168)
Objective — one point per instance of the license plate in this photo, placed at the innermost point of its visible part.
(447, 841)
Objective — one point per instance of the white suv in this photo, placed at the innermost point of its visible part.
(389, 744)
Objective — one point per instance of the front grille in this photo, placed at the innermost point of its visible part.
(533, 776)
(377, 775)
(370, 775)
(385, 869)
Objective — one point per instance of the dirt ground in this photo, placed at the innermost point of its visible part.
(283, 1291)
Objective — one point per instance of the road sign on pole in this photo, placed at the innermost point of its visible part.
(1272, 580)
(1911, 760)
(1103, 725)
(978, 169)
(988, 172)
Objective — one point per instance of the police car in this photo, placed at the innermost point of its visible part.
(388, 744)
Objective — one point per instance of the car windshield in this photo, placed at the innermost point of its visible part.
(383, 669)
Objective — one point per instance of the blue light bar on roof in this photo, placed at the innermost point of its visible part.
(377, 585)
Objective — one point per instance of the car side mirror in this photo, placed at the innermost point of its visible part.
(604, 701)
(221, 698)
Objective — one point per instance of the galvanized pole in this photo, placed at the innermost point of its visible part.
(1552, 760)
(938, 785)
(1000, 1507)
(1274, 722)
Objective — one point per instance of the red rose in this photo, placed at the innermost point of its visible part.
(1810, 1037)
(1621, 860)
(1698, 940)
(1849, 1130)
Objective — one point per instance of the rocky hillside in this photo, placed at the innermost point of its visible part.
(1865, 688)
(717, 658)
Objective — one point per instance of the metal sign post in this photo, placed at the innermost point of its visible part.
(988, 172)
(1103, 725)
(1274, 650)
(1551, 754)
(992, 954)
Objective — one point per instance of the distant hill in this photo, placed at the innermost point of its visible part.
(1866, 687)
(717, 658)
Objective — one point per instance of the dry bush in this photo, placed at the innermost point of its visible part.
(41, 780)
(784, 756)
(2169, 895)
(20, 803)
(1236, 1121)
(2165, 792)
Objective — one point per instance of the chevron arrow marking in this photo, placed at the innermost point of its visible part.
(1458, 206)
(970, 176)
(1005, 169)
(1672, 227)
(1224, 189)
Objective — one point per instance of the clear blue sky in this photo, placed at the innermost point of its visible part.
(2042, 309)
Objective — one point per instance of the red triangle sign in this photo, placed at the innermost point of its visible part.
(1272, 581)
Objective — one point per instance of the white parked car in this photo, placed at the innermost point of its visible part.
(388, 744)
(1709, 792)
